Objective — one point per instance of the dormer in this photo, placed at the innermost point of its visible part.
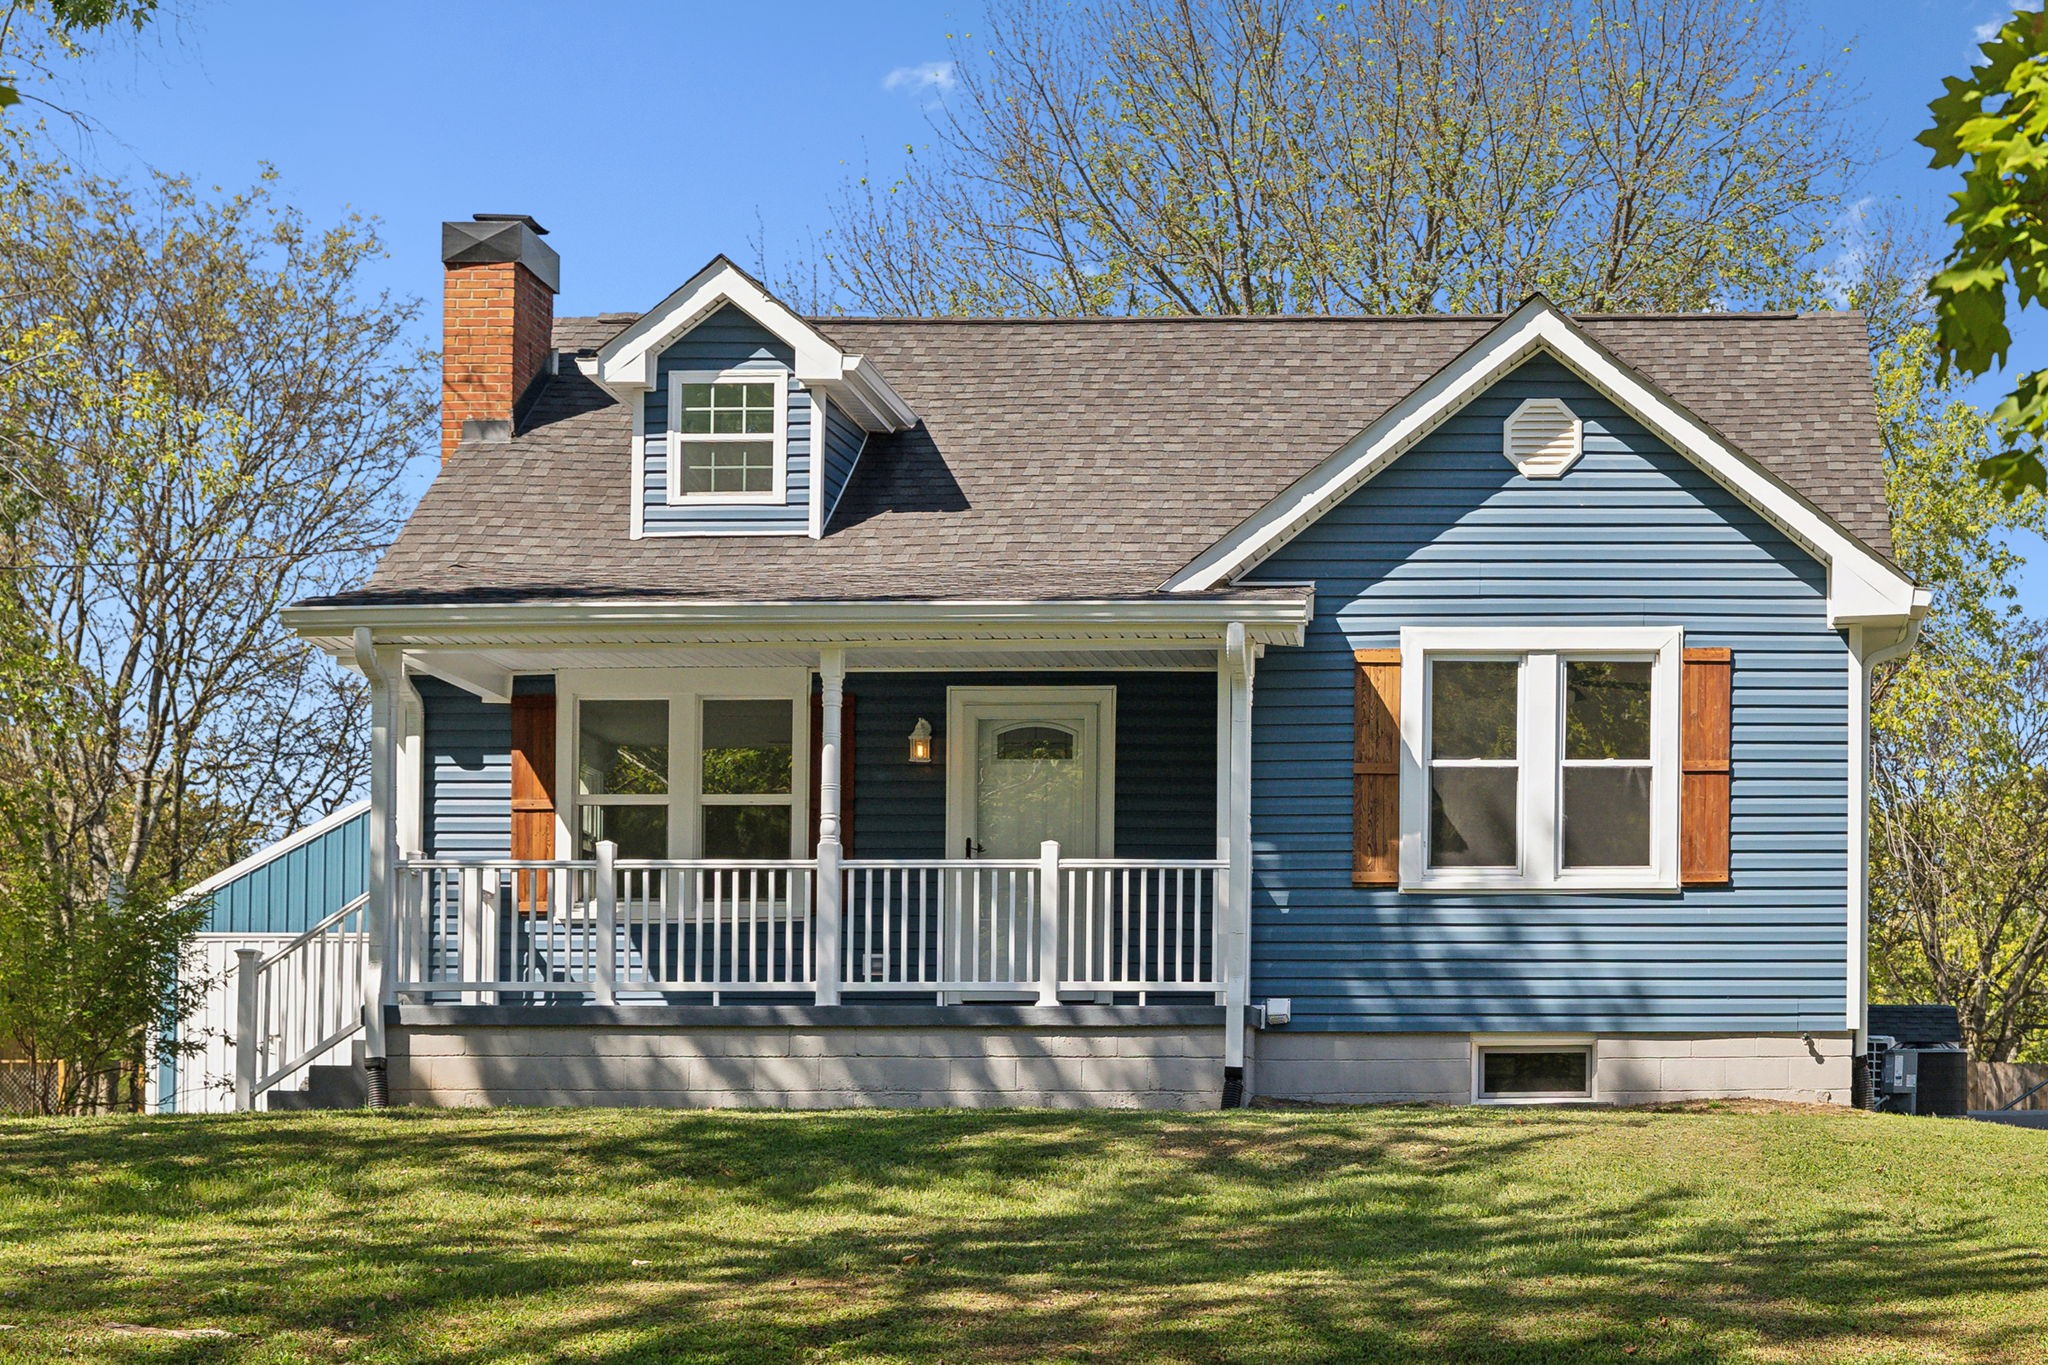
(747, 420)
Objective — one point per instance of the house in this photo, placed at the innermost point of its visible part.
(1155, 711)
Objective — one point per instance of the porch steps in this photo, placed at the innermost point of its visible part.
(335, 1086)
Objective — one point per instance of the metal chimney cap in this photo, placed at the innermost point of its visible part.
(525, 218)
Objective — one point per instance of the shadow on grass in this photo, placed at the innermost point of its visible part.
(1383, 1235)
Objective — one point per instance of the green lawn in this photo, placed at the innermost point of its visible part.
(1270, 1236)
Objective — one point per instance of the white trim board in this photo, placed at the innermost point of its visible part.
(627, 365)
(1862, 586)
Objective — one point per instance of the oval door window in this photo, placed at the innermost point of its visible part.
(1031, 743)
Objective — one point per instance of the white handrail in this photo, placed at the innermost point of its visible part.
(322, 927)
(299, 1003)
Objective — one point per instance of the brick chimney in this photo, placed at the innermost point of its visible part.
(497, 320)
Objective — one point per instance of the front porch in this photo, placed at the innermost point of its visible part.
(893, 833)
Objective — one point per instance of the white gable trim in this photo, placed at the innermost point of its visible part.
(626, 365)
(1862, 587)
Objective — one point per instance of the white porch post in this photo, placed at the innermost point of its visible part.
(248, 1028)
(381, 667)
(831, 887)
(1239, 664)
(1049, 922)
(605, 984)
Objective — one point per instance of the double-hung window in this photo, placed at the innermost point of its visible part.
(1543, 759)
(622, 777)
(748, 795)
(727, 436)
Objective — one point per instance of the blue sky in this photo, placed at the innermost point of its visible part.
(648, 136)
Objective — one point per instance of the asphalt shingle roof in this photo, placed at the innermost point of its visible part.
(1082, 457)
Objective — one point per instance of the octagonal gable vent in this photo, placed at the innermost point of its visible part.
(1543, 438)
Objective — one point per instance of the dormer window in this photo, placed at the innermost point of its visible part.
(727, 432)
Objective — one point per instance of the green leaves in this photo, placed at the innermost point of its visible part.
(1994, 124)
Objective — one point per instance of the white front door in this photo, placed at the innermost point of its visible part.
(1023, 765)
(1030, 764)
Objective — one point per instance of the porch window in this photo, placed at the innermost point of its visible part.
(1540, 759)
(748, 795)
(622, 777)
(726, 435)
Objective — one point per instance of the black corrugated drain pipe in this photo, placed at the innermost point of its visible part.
(376, 1091)
(1233, 1087)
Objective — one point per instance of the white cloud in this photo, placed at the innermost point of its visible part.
(1988, 30)
(933, 77)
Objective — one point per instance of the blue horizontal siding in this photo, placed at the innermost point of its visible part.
(1165, 760)
(298, 888)
(1634, 534)
(467, 783)
(727, 340)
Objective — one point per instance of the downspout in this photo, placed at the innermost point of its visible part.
(383, 782)
(1240, 660)
(1867, 661)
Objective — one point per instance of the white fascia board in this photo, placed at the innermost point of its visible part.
(626, 365)
(1274, 621)
(1862, 587)
(270, 853)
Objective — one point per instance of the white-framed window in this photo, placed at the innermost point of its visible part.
(1540, 758)
(747, 778)
(728, 436)
(1533, 1069)
(623, 790)
(710, 763)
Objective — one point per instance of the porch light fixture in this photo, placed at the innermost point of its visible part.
(921, 741)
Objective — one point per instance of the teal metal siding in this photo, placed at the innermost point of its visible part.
(468, 773)
(1635, 534)
(1165, 760)
(842, 447)
(727, 340)
(298, 888)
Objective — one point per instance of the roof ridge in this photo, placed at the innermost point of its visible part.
(1077, 319)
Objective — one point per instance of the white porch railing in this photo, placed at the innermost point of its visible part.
(300, 1002)
(500, 931)
(1045, 927)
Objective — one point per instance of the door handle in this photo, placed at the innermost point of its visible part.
(974, 850)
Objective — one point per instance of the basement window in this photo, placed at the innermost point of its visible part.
(727, 436)
(1533, 1074)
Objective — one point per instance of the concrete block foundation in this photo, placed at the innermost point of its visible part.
(775, 1057)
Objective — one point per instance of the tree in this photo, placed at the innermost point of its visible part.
(203, 417)
(88, 985)
(1253, 156)
(1994, 123)
(1959, 791)
(30, 28)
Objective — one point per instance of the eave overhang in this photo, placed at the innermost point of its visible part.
(1109, 624)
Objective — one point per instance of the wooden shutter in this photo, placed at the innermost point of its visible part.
(845, 769)
(1376, 769)
(1707, 695)
(533, 791)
